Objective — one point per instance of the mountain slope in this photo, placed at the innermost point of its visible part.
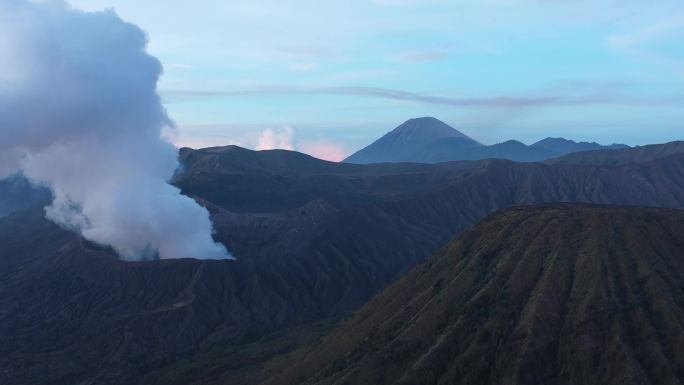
(622, 156)
(406, 142)
(440, 206)
(311, 245)
(533, 295)
(428, 140)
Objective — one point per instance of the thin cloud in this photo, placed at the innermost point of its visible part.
(421, 57)
(177, 66)
(304, 67)
(643, 44)
(535, 99)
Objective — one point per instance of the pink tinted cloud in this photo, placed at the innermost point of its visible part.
(324, 149)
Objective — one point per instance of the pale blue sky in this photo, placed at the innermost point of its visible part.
(329, 77)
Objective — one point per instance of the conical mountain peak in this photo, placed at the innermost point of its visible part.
(408, 141)
(425, 129)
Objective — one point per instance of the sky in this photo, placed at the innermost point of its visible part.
(329, 77)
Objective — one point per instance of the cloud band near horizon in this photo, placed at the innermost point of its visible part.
(536, 99)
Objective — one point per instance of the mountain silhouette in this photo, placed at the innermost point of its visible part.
(561, 146)
(429, 140)
(406, 142)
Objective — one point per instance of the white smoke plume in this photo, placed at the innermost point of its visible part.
(80, 114)
(280, 139)
(285, 139)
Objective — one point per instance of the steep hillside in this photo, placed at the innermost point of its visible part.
(311, 245)
(533, 295)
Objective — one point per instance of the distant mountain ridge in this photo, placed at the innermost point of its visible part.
(622, 156)
(565, 146)
(429, 140)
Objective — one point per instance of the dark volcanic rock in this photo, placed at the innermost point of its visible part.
(313, 239)
(533, 295)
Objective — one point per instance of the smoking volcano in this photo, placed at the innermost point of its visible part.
(80, 114)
